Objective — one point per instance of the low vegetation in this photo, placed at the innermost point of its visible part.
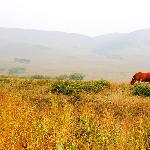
(75, 88)
(72, 76)
(36, 76)
(85, 115)
(16, 71)
(142, 89)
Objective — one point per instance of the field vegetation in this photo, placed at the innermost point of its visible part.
(42, 114)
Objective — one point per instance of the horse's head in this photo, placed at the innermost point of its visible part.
(132, 81)
(136, 77)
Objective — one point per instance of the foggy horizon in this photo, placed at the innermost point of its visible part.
(46, 30)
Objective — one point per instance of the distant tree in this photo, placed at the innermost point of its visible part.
(22, 60)
(40, 77)
(76, 76)
(62, 77)
(17, 70)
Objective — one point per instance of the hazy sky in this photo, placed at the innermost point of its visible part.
(90, 17)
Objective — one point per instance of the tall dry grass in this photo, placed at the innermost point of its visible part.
(32, 117)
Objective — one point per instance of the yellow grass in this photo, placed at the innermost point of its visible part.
(31, 117)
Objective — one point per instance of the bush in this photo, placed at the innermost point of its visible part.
(142, 89)
(75, 87)
(95, 86)
(63, 87)
(40, 77)
(62, 77)
(20, 60)
(76, 76)
(17, 70)
(73, 76)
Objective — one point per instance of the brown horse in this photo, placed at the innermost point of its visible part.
(140, 77)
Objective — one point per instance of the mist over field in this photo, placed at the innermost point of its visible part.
(114, 56)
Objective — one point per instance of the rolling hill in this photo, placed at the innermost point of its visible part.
(110, 56)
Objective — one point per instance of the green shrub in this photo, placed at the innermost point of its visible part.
(75, 87)
(142, 89)
(63, 87)
(16, 71)
(73, 76)
(95, 86)
(62, 77)
(40, 77)
(76, 76)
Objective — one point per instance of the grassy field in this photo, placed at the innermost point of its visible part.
(36, 116)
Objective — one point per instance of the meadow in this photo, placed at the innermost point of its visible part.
(72, 115)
